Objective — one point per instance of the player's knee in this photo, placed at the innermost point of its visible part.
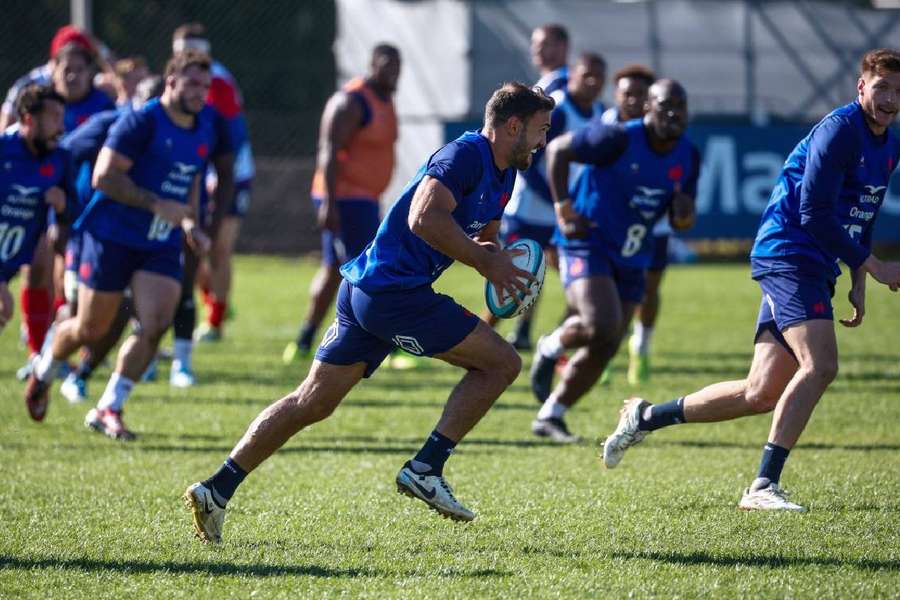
(822, 370)
(90, 332)
(601, 335)
(761, 396)
(309, 407)
(510, 366)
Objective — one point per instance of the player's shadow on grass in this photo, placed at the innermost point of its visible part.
(702, 558)
(473, 441)
(806, 446)
(212, 568)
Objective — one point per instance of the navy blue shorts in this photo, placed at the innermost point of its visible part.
(109, 266)
(512, 229)
(368, 327)
(791, 298)
(241, 202)
(660, 259)
(73, 250)
(579, 264)
(359, 223)
(7, 272)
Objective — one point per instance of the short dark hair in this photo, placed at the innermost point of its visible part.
(189, 30)
(32, 98)
(589, 58)
(384, 49)
(636, 71)
(72, 49)
(879, 60)
(515, 99)
(184, 59)
(556, 31)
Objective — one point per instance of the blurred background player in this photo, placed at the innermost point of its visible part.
(822, 208)
(84, 144)
(231, 189)
(147, 178)
(632, 83)
(37, 176)
(529, 213)
(129, 72)
(550, 54)
(637, 173)
(354, 166)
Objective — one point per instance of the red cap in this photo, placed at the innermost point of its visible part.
(70, 34)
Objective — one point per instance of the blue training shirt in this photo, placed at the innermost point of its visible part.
(24, 179)
(79, 112)
(824, 205)
(84, 144)
(397, 259)
(626, 188)
(166, 161)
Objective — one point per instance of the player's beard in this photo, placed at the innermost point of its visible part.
(520, 155)
(185, 108)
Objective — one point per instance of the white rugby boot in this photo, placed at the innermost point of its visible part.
(768, 497)
(626, 434)
(208, 517)
(434, 491)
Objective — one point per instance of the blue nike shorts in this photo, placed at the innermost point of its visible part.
(107, 266)
(368, 327)
(579, 264)
(660, 259)
(512, 229)
(359, 223)
(790, 298)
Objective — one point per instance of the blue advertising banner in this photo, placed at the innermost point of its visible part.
(740, 165)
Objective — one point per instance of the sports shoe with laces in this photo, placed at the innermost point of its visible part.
(292, 352)
(434, 491)
(541, 374)
(555, 429)
(37, 397)
(208, 517)
(770, 497)
(626, 434)
(109, 423)
(74, 389)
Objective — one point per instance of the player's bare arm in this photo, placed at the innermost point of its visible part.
(197, 239)
(559, 155)
(111, 177)
(883, 271)
(857, 297)
(6, 305)
(342, 118)
(431, 218)
(682, 214)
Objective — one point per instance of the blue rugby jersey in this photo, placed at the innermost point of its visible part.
(84, 143)
(24, 178)
(166, 160)
(626, 188)
(824, 204)
(397, 259)
(79, 112)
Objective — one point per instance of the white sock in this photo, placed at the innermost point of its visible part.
(46, 367)
(550, 346)
(552, 409)
(116, 392)
(640, 339)
(182, 350)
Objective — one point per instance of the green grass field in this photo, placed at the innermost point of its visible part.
(82, 516)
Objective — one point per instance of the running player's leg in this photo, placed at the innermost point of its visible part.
(36, 300)
(183, 324)
(646, 313)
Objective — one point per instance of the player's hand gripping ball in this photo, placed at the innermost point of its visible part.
(531, 260)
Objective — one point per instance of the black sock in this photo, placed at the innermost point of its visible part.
(772, 462)
(523, 328)
(85, 368)
(306, 335)
(662, 415)
(435, 453)
(225, 481)
(185, 317)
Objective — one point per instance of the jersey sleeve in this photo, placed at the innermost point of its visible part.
(833, 148)
(130, 134)
(599, 144)
(85, 142)
(224, 140)
(457, 166)
(360, 98)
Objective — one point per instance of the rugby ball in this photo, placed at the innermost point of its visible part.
(532, 260)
